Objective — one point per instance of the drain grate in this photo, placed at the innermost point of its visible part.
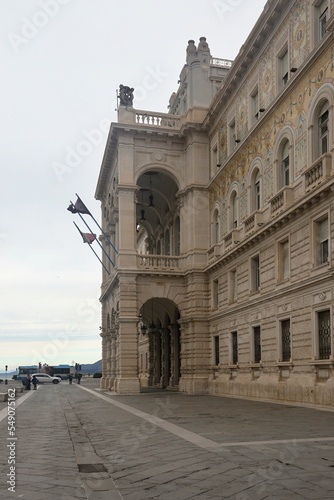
(92, 468)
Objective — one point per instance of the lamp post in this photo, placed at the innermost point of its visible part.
(6, 368)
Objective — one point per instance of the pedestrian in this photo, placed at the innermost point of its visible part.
(70, 378)
(28, 382)
(34, 382)
(79, 377)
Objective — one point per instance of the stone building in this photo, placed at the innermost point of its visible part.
(222, 211)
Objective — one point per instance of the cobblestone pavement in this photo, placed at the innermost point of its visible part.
(77, 442)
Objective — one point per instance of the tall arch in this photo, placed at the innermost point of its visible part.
(317, 121)
(255, 187)
(284, 158)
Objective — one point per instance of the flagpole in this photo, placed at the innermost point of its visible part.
(93, 250)
(103, 250)
(104, 234)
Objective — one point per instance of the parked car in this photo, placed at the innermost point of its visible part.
(44, 378)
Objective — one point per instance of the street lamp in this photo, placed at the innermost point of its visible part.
(6, 368)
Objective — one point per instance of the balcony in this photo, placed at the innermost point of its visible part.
(233, 237)
(158, 262)
(253, 222)
(281, 201)
(318, 172)
(214, 252)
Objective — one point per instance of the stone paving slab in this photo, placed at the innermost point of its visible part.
(165, 446)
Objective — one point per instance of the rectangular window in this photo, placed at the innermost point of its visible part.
(286, 340)
(286, 170)
(324, 334)
(254, 105)
(257, 191)
(233, 137)
(234, 336)
(216, 350)
(323, 17)
(257, 343)
(323, 132)
(322, 242)
(215, 294)
(255, 273)
(233, 285)
(283, 260)
(284, 63)
(215, 162)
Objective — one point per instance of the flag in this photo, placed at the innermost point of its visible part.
(79, 207)
(88, 237)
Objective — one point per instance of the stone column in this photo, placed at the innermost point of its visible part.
(112, 361)
(103, 336)
(165, 372)
(171, 334)
(151, 363)
(157, 358)
(108, 356)
(127, 379)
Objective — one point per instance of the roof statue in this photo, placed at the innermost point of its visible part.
(125, 95)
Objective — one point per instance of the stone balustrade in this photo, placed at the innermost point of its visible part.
(216, 61)
(317, 172)
(281, 201)
(157, 119)
(163, 262)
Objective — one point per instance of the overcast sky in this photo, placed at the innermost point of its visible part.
(62, 62)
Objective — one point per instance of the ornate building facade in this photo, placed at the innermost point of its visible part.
(222, 211)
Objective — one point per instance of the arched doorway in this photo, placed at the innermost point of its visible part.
(159, 344)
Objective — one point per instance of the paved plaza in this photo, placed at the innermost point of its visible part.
(77, 442)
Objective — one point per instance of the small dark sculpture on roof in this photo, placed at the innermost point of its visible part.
(125, 95)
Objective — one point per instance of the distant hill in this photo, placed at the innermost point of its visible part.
(92, 368)
(85, 368)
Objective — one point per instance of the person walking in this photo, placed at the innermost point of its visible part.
(28, 382)
(79, 377)
(70, 378)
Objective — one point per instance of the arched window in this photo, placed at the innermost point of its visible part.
(215, 227)
(323, 132)
(158, 247)
(285, 165)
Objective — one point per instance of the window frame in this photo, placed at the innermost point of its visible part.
(254, 105)
(234, 350)
(283, 66)
(215, 234)
(215, 293)
(283, 274)
(323, 124)
(318, 240)
(233, 285)
(317, 333)
(233, 209)
(255, 273)
(256, 332)
(281, 333)
(216, 350)
(285, 164)
(232, 135)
